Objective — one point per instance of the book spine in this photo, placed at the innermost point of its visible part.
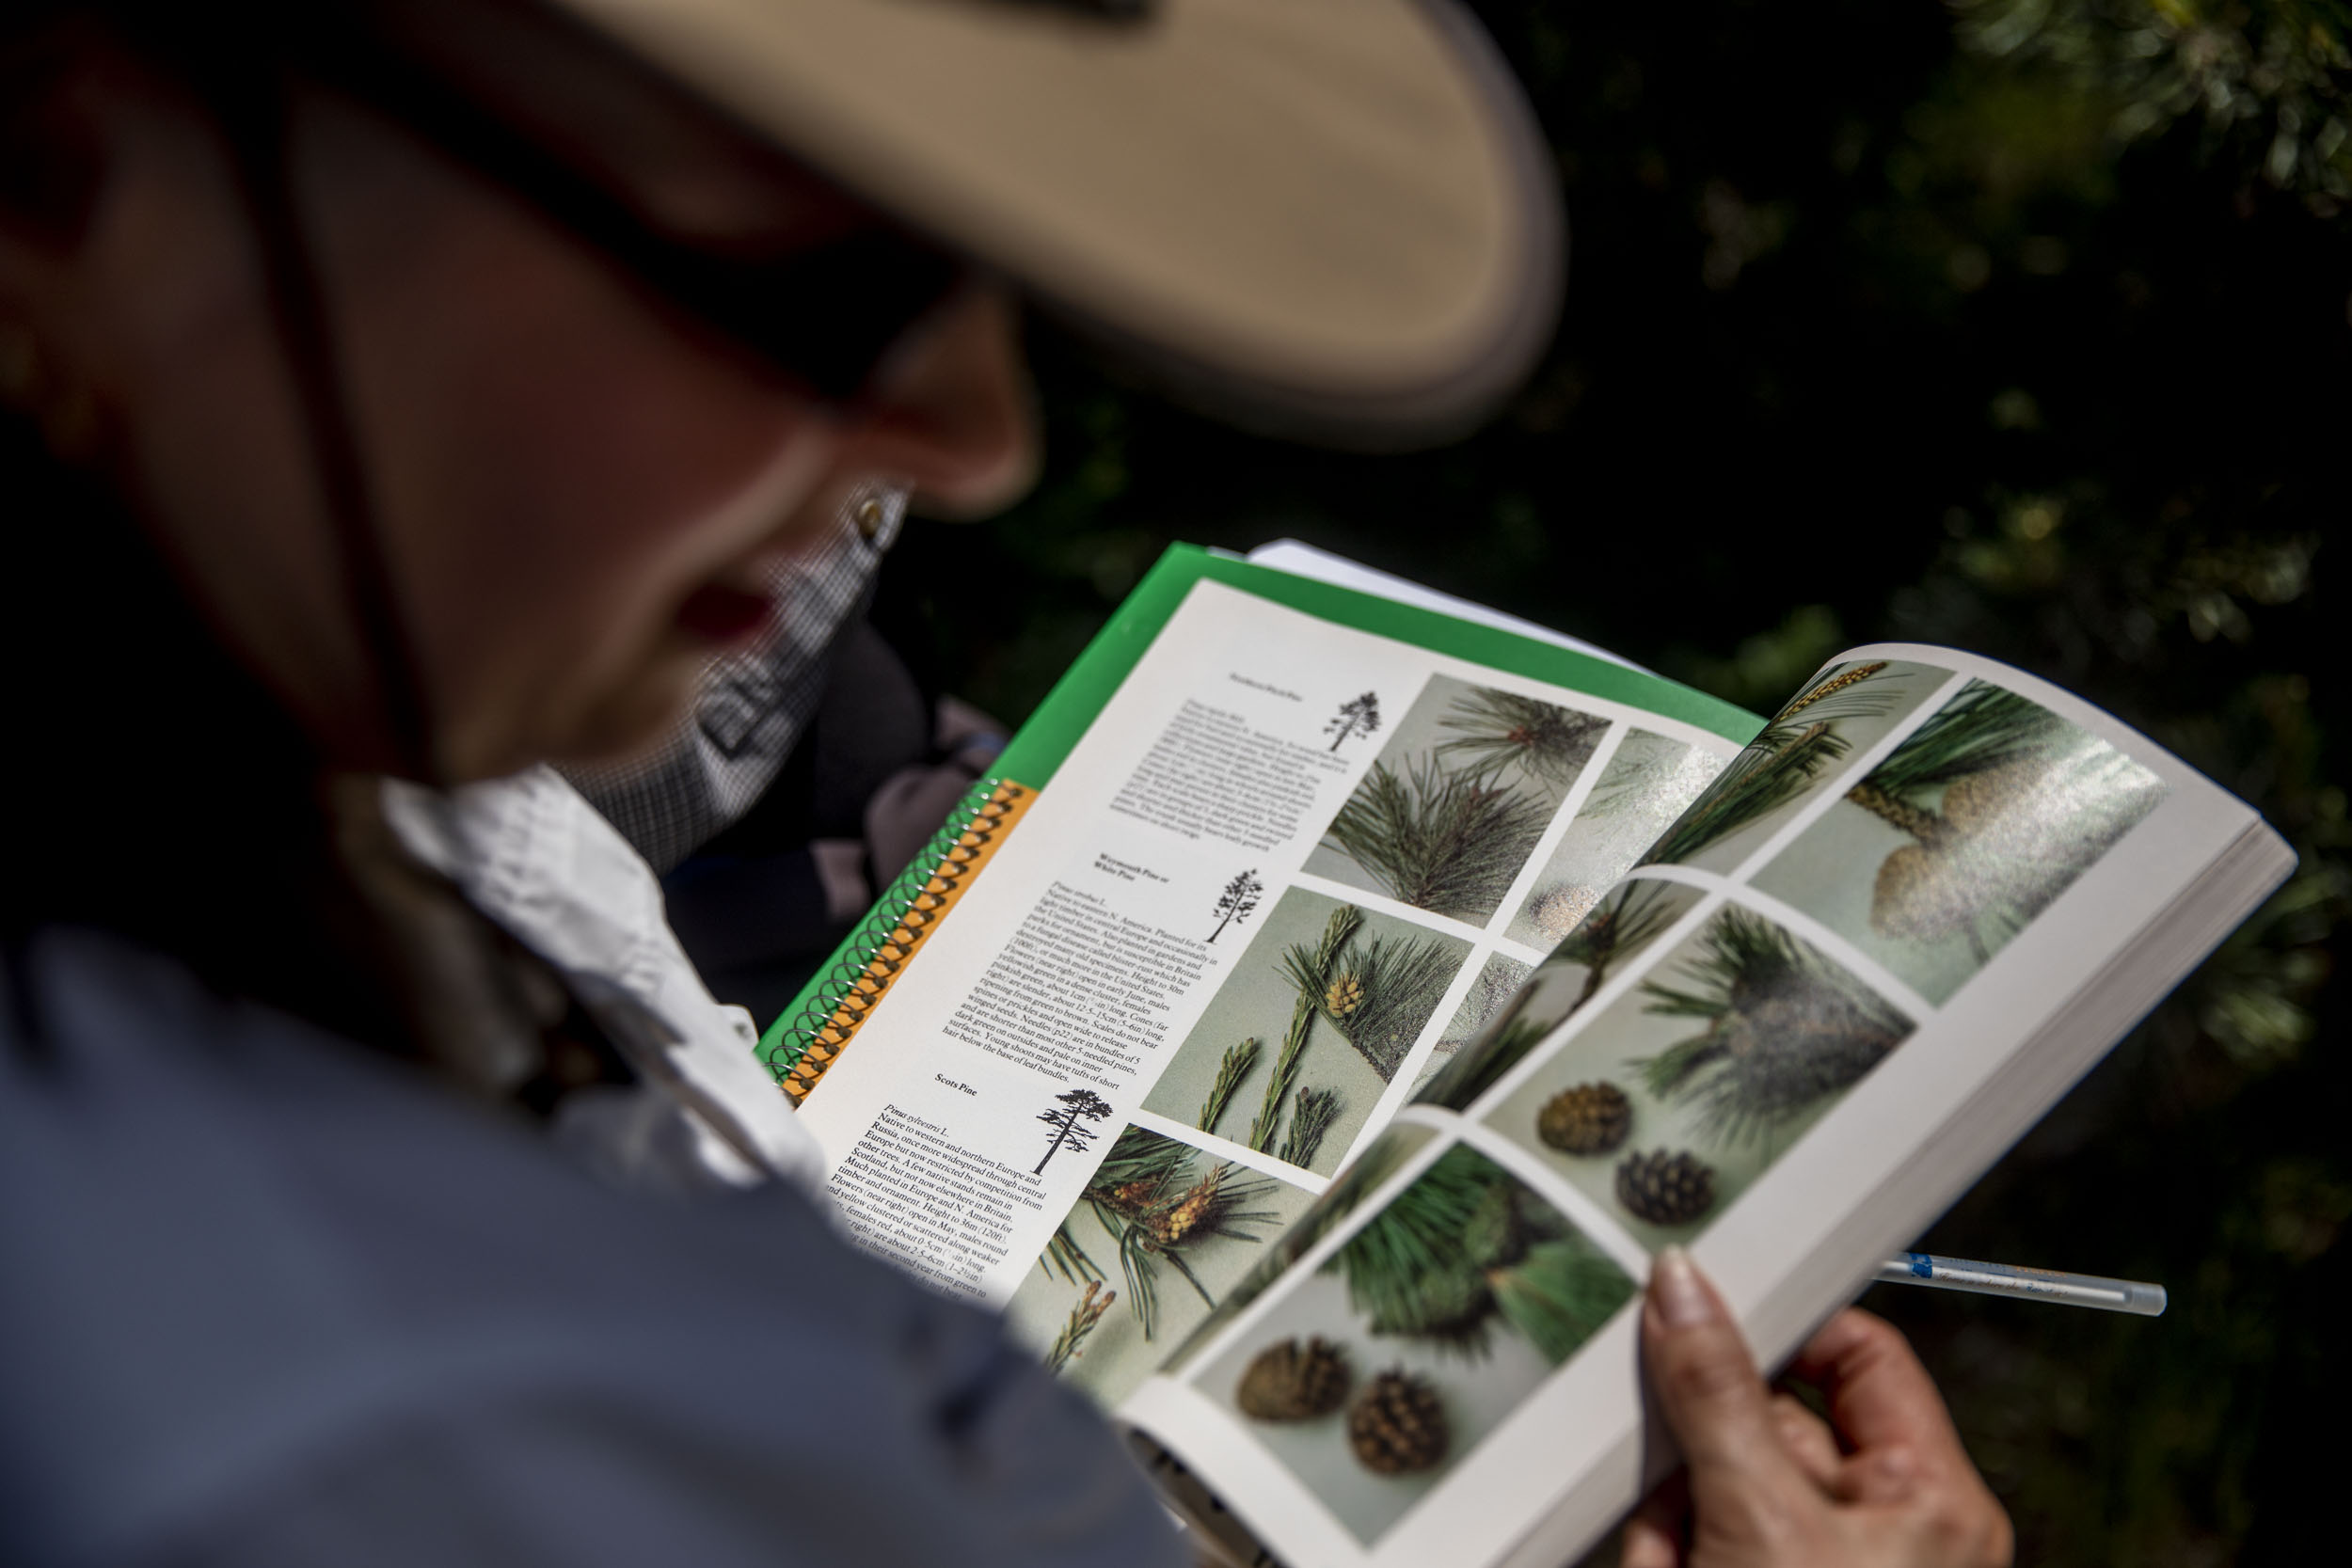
(894, 930)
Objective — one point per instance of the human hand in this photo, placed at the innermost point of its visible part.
(1884, 1483)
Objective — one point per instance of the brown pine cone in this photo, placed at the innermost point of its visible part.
(1397, 1426)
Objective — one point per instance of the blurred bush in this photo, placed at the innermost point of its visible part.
(2024, 326)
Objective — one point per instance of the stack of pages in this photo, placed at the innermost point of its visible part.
(1339, 993)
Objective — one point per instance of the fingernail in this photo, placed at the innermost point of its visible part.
(1683, 1300)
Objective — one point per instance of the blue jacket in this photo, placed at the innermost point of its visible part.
(267, 1297)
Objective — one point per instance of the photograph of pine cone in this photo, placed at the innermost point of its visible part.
(1436, 1317)
(1686, 1087)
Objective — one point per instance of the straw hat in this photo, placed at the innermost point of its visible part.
(1333, 215)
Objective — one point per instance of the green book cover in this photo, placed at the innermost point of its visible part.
(1038, 750)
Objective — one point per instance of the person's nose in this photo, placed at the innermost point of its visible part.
(949, 411)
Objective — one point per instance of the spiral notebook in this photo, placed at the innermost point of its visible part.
(1309, 1034)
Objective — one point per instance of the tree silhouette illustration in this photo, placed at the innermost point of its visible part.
(1077, 1107)
(1356, 715)
(1237, 901)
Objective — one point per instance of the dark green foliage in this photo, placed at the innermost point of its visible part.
(1785, 1026)
(1620, 925)
(1561, 1294)
(1160, 1198)
(1441, 841)
(1231, 1069)
(1758, 781)
(1466, 1243)
(1310, 970)
(1311, 1115)
(1983, 728)
(1479, 1065)
(1402, 981)
(2270, 80)
(1496, 730)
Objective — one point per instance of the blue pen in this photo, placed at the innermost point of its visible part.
(2003, 1279)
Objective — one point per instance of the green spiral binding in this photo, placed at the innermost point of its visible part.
(857, 955)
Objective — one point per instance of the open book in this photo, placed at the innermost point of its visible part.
(1312, 1029)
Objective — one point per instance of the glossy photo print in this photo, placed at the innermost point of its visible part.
(1962, 836)
(1499, 980)
(1687, 1086)
(1458, 799)
(1376, 1375)
(1647, 783)
(1624, 924)
(1845, 709)
(1161, 1230)
(1304, 1037)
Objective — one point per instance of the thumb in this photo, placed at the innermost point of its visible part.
(1710, 1390)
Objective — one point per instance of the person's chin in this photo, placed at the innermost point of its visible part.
(623, 727)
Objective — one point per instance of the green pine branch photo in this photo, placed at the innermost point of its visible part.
(1784, 1027)
(1446, 842)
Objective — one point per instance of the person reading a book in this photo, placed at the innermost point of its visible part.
(407, 396)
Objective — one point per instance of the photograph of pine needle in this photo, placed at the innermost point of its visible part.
(1685, 1088)
(1442, 1312)
(1647, 781)
(1380, 1160)
(1301, 1040)
(1605, 943)
(1457, 797)
(1161, 1232)
(1961, 835)
(1843, 710)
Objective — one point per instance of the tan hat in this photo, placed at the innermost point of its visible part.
(1336, 213)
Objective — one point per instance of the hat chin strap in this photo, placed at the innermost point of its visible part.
(252, 100)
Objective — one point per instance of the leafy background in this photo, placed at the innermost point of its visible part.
(2020, 325)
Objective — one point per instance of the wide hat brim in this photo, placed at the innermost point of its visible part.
(1332, 215)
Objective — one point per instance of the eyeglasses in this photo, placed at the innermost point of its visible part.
(825, 315)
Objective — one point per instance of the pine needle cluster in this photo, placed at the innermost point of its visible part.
(1758, 781)
(1312, 1115)
(1621, 924)
(1495, 730)
(2005, 804)
(1468, 1243)
(1231, 1069)
(1785, 1026)
(1479, 1065)
(1087, 1313)
(1153, 1195)
(1983, 728)
(1402, 983)
(1447, 842)
(1310, 968)
(1785, 758)
(1560, 1293)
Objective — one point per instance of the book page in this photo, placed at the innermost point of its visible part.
(1831, 991)
(1288, 871)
